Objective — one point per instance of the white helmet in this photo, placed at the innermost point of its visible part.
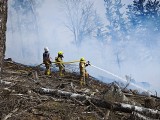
(46, 49)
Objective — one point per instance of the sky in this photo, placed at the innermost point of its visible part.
(46, 27)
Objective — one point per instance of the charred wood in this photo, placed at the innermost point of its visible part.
(127, 108)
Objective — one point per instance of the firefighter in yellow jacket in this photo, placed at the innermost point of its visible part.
(60, 64)
(47, 61)
(83, 72)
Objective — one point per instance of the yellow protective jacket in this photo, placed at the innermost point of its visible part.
(82, 67)
(59, 59)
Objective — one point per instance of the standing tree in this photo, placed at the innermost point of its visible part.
(144, 20)
(3, 21)
(153, 14)
(136, 13)
(117, 28)
(82, 19)
(25, 21)
(144, 14)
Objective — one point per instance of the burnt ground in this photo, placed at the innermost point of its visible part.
(19, 101)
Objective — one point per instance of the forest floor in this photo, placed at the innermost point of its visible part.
(20, 101)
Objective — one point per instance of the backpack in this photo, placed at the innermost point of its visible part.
(45, 56)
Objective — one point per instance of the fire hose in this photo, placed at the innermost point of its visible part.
(106, 71)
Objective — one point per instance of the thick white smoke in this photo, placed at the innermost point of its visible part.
(46, 27)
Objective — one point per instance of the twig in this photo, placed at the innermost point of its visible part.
(5, 82)
(79, 102)
(96, 107)
(107, 115)
(10, 114)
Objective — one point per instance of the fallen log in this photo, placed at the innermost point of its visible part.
(155, 97)
(131, 108)
(5, 82)
(127, 108)
(137, 116)
(65, 94)
(143, 96)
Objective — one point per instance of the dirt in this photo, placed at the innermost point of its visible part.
(18, 101)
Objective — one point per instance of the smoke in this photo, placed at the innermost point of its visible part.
(26, 38)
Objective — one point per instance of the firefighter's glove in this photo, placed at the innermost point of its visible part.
(88, 62)
(63, 70)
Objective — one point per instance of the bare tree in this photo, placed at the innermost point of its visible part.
(25, 21)
(3, 21)
(82, 19)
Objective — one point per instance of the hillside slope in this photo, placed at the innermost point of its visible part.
(20, 98)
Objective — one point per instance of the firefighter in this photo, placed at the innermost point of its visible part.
(47, 61)
(83, 73)
(60, 64)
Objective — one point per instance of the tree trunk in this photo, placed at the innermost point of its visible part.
(127, 108)
(137, 116)
(3, 21)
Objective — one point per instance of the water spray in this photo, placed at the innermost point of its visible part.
(120, 78)
(106, 71)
